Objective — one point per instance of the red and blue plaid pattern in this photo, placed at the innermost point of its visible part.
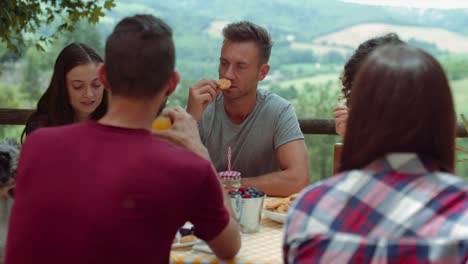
(393, 211)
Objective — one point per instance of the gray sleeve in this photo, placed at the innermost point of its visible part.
(287, 127)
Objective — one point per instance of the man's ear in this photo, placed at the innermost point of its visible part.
(264, 69)
(172, 84)
(102, 75)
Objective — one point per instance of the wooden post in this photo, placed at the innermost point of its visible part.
(338, 148)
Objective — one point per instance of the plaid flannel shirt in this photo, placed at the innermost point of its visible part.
(393, 211)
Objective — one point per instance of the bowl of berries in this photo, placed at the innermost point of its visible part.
(247, 203)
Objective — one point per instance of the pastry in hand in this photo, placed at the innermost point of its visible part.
(224, 83)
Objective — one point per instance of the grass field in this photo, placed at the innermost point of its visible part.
(460, 95)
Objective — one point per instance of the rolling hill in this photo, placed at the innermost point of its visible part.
(352, 36)
(304, 19)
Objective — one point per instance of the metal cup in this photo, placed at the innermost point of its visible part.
(248, 212)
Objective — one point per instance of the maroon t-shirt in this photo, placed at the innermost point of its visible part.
(90, 193)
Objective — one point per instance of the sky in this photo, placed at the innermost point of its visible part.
(437, 4)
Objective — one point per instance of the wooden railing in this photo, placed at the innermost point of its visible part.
(308, 125)
(14, 116)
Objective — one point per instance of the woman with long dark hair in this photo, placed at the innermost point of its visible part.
(74, 94)
(395, 199)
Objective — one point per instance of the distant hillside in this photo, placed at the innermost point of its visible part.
(296, 27)
(344, 42)
(351, 37)
(305, 19)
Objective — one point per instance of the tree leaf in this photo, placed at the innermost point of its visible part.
(18, 18)
(109, 4)
(39, 47)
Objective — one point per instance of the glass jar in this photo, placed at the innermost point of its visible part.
(231, 180)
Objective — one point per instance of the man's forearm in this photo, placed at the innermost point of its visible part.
(194, 112)
(280, 183)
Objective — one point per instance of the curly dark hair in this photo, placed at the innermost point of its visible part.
(352, 65)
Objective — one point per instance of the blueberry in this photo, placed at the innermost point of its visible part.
(251, 189)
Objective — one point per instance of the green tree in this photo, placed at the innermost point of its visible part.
(462, 147)
(45, 17)
(287, 55)
(84, 33)
(317, 101)
(455, 67)
(332, 57)
(289, 93)
(33, 65)
(180, 96)
(462, 157)
(9, 98)
(7, 55)
(427, 46)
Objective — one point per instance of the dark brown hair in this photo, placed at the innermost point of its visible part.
(54, 108)
(140, 57)
(401, 102)
(352, 65)
(247, 31)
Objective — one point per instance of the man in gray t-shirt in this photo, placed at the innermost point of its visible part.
(261, 127)
(271, 124)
